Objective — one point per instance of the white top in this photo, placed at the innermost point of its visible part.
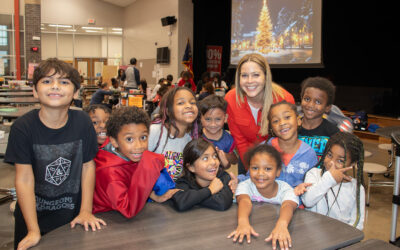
(285, 192)
(154, 92)
(345, 207)
(254, 112)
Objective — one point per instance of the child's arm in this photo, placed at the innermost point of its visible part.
(188, 197)
(223, 199)
(280, 232)
(25, 185)
(244, 228)
(85, 216)
(320, 185)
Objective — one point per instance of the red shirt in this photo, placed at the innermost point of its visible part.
(182, 82)
(122, 185)
(244, 129)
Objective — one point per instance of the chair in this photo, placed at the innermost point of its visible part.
(389, 148)
(374, 168)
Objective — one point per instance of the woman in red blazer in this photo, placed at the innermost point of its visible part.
(249, 102)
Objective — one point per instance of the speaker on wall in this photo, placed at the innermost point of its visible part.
(165, 21)
(163, 55)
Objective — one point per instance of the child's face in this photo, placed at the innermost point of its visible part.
(284, 122)
(252, 79)
(206, 167)
(335, 158)
(55, 91)
(263, 171)
(99, 119)
(185, 108)
(314, 103)
(132, 141)
(213, 121)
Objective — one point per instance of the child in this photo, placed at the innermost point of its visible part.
(219, 85)
(187, 81)
(208, 89)
(333, 193)
(53, 150)
(125, 171)
(98, 96)
(317, 96)
(178, 111)
(204, 183)
(99, 115)
(265, 165)
(297, 156)
(213, 118)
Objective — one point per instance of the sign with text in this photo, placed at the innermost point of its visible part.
(214, 58)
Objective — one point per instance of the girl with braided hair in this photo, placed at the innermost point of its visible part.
(332, 192)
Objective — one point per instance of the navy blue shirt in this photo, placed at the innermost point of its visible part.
(98, 96)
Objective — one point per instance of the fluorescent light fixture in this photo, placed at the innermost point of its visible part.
(42, 28)
(91, 31)
(92, 28)
(72, 30)
(117, 32)
(60, 25)
(117, 29)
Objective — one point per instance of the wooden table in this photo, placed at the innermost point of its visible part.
(372, 244)
(16, 94)
(18, 100)
(158, 226)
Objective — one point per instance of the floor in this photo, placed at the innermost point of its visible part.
(378, 214)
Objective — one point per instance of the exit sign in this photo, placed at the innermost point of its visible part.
(91, 21)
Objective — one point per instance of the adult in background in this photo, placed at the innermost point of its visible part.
(187, 81)
(249, 103)
(132, 75)
(205, 77)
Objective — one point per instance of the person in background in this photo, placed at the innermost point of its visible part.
(170, 78)
(98, 96)
(121, 77)
(143, 88)
(205, 77)
(208, 89)
(78, 101)
(157, 100)
(249, 103)
(187, 81)
(132, 75)
(100, 81)
(157, 87)
(219, 85)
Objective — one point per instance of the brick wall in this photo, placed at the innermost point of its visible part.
(32, 28)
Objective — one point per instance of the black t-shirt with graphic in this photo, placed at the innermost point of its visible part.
(318, 138)
(56, 156)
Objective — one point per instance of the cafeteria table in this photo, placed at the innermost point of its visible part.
(16, 94)
(158, 226)
(18, 100)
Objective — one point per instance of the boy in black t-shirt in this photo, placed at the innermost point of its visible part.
(53, 150)
(317, 96)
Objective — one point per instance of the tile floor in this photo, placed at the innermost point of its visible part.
(378, 214)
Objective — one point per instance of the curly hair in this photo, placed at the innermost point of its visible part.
(123, 116)
(320, 83)
(92, 108)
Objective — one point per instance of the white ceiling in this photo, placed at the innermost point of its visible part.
(120, 3)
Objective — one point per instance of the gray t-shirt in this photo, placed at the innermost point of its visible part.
(171, 148)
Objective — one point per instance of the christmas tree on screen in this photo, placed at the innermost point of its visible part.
(264, 36)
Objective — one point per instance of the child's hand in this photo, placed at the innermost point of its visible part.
(233, 182)
(216, 185)
(166, 196)
(339, 174)
(222, 156)
(301, 188)
(241, 231)
(87, 219)
(281, 234)
(30, 240)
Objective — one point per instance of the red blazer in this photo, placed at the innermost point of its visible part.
(241, 122)
(182, 82)
(122, 185)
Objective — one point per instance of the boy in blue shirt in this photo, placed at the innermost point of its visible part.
(213, 119)
(317, 96)
(53, 150)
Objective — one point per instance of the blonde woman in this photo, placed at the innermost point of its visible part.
(249, 102)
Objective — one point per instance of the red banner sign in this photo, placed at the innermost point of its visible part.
(214, 58)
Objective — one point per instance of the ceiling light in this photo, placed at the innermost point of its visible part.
(92, 28)
(117, 32)
(117, 29)
(60, 25)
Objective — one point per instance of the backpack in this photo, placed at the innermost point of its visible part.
(360, 120)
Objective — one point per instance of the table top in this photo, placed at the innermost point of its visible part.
(387, 131)
(372, 244)
(19, 100)
(16, 94)
(160, 226)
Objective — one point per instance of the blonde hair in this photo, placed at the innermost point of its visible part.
(271, 91)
